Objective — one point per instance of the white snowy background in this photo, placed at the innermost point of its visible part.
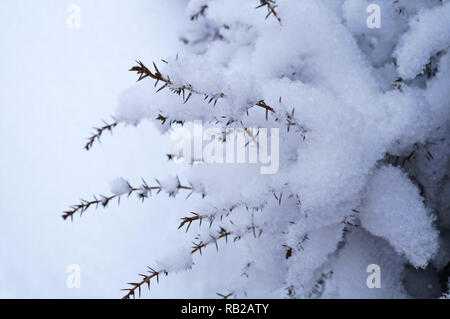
(56, 83)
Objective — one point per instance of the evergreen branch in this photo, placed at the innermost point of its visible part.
(225, 296)
(145, 281)
(223, 233)
(263, 105)
(417, 149)
(319, 285)
(185, 90)
(142, 192)
(270, 4)
(210, 217)
(399, 83)
(197, 248)
(201, 12)
(165, 119)
(252, 136)
(288, 251)
(98, 134)
(190, 220)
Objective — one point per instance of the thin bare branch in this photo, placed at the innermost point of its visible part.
(200, 12)
(145, 281)
(98, 134)
(197, 248)
(271, 5)
(143, 192)
(185, 90)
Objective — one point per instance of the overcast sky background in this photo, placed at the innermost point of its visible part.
(55, 84)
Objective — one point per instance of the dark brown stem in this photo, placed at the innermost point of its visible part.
(98, 134)
(270, 8)
(197, 248)
(105, 200)
(146, 280)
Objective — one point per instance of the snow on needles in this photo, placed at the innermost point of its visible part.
(363, 115)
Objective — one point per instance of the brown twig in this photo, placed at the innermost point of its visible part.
(197, 248)
(252, 137)
(225, 296)
(142, 192)
(219, 215)
(200, 12)
(223, 233)
(190, 220)
(270, 8)
(98, 134)
(146, 280)
(165, 119)
(398, 84)
(185, 90)
(265, 106)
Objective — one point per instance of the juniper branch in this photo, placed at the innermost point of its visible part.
(142, 192)
(223, 233)
(98, 134)
(145, 281)
(270, 4)
(190, 220)
(197, 248)
(210, 217)
(201, 12)
(225, 296)
(184, 90)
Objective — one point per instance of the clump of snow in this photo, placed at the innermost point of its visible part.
(120, 186)
(170, 185)
(377, 43)
(310, 251)
(180, 259)
(350, 264)
(429, 33)
(395, 211)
